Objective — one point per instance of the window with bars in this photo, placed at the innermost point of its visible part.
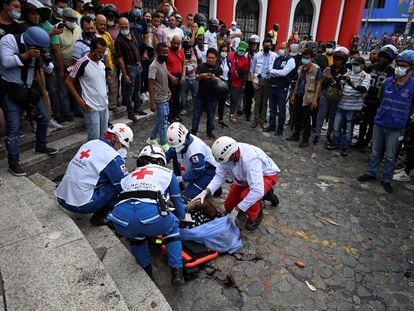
(247, 17)
(302, 21)
(150, 5)
(204, 8)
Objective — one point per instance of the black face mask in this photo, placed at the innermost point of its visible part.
(174, 48)
(148, 20)
(89, 35)
(266, 49)
(162, 58)
(186, 45)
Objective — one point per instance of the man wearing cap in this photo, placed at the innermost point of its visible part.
(91, 183)
(239, 69)
(89, 10)
(356, 84)
(235, 35)
(258, 70)
(395, 111)
(379, 72)
(330, 46)
(210, 36)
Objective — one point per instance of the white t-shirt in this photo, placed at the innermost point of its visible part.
(170, 33)
(234, 43)
(210, 38)
(201, 54)
(91, 76)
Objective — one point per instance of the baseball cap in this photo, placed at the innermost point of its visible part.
(233, 23)
(69, 13)
(358, 61)
(243, 46)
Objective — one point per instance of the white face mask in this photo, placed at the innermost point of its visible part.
(123, 152)
(111, 23)
(70, 25)
(400, 71)
(124, 32)
(329, 51)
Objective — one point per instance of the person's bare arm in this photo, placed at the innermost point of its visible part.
(69, 82)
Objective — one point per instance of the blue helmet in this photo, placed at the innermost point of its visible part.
(406, 56)
(36, 36)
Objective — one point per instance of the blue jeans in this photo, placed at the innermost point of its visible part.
(137, 221)
(13, 116)
(343, 117)
(131, 92)
(199, 107)
(106, 196)
(325, 109)
(189, 85)
(96, 123)
(277, 105)
(162, 122)
(196, 186)
(388, 140)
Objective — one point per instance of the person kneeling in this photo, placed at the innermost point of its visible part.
(142, 211)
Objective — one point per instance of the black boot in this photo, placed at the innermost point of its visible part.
(271, 197)
(177, 277)
(148, 270)
(218, 193)
(252, 225)
(97, 218)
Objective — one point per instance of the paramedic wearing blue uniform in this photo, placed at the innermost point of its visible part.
(393, 115)
(142, 212)
(91, 183)
(194, 163)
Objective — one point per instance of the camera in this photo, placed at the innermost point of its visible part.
(46, 56)
(59, 25)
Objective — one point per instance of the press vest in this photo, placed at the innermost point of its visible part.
(310, 86)
(196, 147)
(395, 107)
(280, 63)
(150, 177)
(83, 172)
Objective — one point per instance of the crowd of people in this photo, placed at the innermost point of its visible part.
(59, 62)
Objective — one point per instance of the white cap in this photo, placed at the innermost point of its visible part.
(234, 23)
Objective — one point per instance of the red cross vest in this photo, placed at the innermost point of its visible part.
(82, 173)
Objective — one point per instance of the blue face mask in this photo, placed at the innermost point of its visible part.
(240, 53)
(356, 69)
(281, 53)
(14, 14)
(306, 61)
(136, 11)
(59, 11)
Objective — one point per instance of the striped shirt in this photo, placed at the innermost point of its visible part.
(351, 98)
(127, 49)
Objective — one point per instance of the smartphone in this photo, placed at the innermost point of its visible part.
(59, 25)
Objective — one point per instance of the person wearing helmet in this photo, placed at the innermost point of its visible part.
(273, 35)
(111, 13)
(194, 162)
(20, 63)
(396, 107)
(142, 211)
(210, 36)
(91, 183)
(89, 71)
(379, 73)
(254, 174)
(331, 79)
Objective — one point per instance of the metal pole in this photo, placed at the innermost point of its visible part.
(370, 7)
(408, 25)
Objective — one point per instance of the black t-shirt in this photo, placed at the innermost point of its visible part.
(335, 75)
(205, 86)
(13, 28)
(378, 77)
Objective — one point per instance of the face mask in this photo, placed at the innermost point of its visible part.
(14, 14)
(233, 28)
(89, 35)
(356, 69)
(306, 61)
(281, 53)
(70, 25)
(186, 45)
(148, 20)
(124, 32)
(136, 12)
(59, 11)
(162, 58)
(223, 54)
(91, 16)
(111, 23)
(240, 53)
(329, 51)
(400, 71)
(174, 48)
(179, 148)
(266, 50)
(123, 152)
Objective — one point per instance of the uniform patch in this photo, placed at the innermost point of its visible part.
(124, 169)
(195, 159)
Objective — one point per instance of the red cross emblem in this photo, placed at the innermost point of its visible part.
(170, 139)
(142, 173)
(84, 154)
(171, 127)
(182, 168)
(122, 130)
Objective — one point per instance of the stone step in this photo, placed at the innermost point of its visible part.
(45, 261)
(69, 128)
(67, 146)
(137, 289)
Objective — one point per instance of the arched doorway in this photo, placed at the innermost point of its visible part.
(247, 17)
(302, 21)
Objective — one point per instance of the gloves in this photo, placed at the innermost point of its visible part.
(201, 196)
(188, 218)
(233, 216)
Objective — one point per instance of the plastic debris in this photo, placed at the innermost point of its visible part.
(310, 286)
(328, 220)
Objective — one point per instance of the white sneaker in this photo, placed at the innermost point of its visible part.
(150, 141)
(401, 176)
(53, 123)
(397, 171)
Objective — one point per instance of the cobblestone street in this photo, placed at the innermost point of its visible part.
(354, 239)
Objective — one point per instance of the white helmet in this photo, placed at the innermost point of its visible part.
(176, 134)
(153, 152)
(124, 133)
(342, 49)
(223, 148)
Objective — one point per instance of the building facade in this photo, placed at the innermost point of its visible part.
(322, 19)
(385, 16)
